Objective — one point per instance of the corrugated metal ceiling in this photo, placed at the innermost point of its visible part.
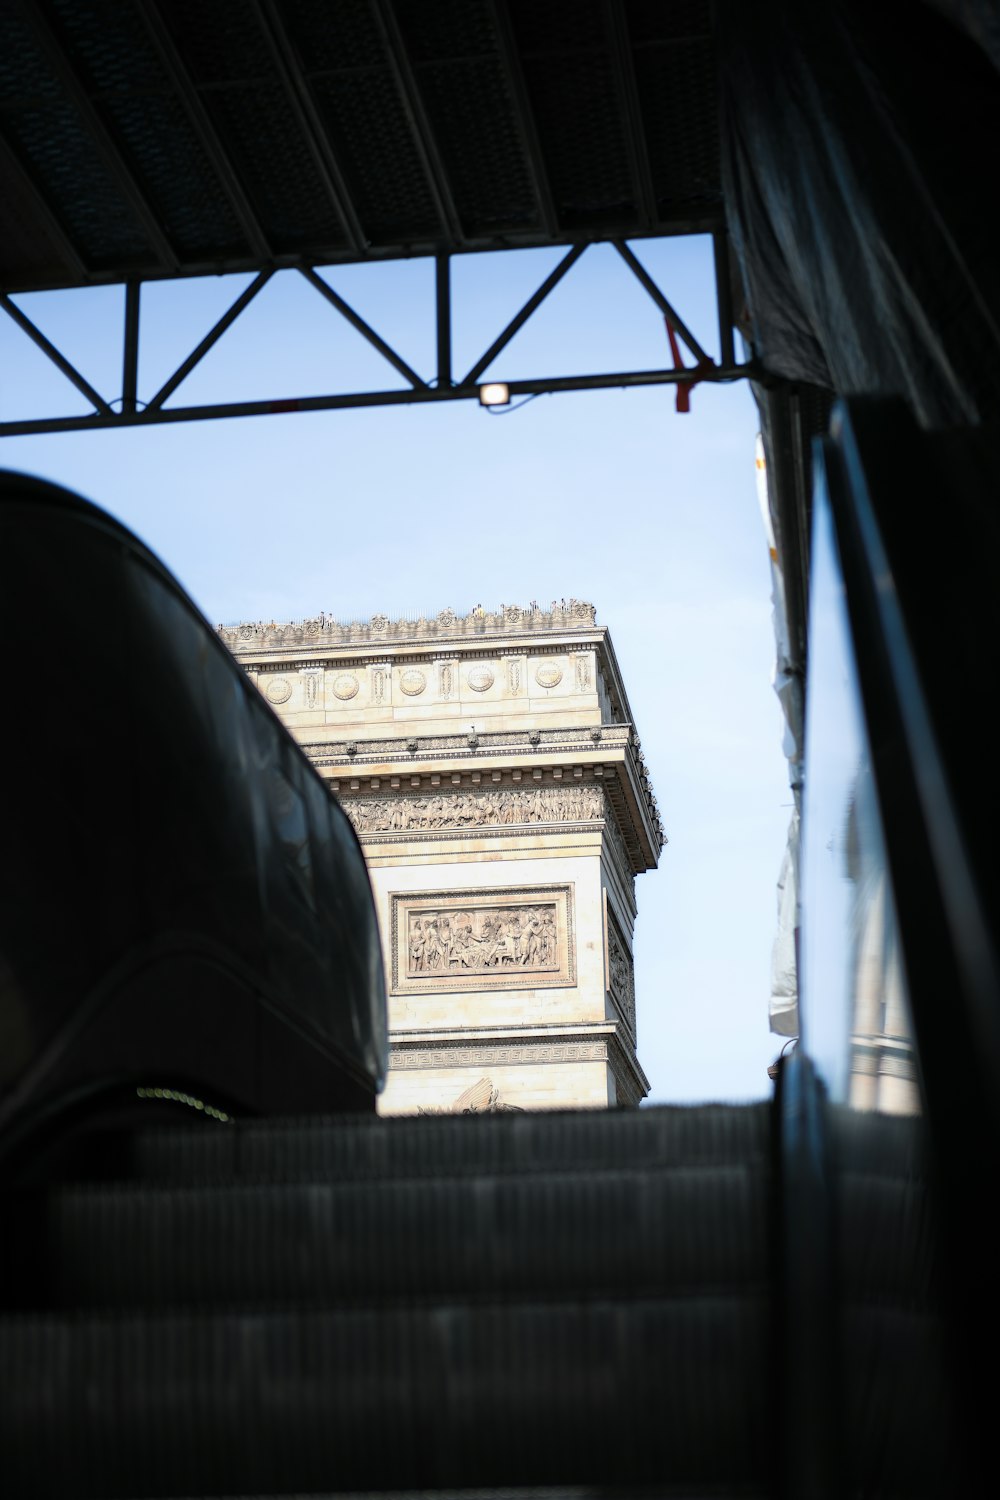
(153, 138)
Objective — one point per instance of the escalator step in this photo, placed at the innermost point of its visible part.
(878, 1144)
(604, 1393)
(547, 1492)
(370, 1147)
(539, 1236)
(885, 1240)
(899, 1418)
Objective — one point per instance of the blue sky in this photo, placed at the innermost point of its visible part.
(609, 496)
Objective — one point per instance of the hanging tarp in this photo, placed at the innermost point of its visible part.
(858, 148)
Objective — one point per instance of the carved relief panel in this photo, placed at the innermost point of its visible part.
(504, 806)
(619, 972)
(480, 677)
(583, 667)
(514, 667)
(447, 675)
(476, 940)
(277, 689)
(312, 687)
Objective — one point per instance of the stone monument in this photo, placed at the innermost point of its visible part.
(491, 769)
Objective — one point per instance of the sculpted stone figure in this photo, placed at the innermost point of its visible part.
(417, 945)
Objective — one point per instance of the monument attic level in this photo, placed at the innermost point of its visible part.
(490, 768)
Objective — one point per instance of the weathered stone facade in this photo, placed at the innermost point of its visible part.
(489, 765)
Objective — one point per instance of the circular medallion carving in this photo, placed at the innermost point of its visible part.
(279, 690)
(548, 676)
(345, 686)
(412, 682)
(480, 678)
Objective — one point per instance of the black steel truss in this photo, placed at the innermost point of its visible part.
(127, 410)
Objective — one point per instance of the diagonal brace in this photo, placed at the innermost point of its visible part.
(646, 281)
(60, 361)
(365, 329)
(518, 321)
(211, 338)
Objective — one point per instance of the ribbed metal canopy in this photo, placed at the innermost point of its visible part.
(156, 138)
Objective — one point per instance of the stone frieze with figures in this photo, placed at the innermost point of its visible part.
(621, 977)
(473, 940)
(494, 806)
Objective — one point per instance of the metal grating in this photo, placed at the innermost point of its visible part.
(334, 34)
(370, 130)
(59, 157)
(583, 135)
(280, 177)
(677, 90)
(171, 137)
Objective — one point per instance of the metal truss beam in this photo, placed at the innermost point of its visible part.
(645, 280)
(519, 319)
(133, 412)
(723, 296)
(365, 329)
(62, 364)
(155, 406)
(442, 308)
(618, 380)
(130, 352)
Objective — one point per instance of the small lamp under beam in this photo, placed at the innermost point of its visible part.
(497, 394)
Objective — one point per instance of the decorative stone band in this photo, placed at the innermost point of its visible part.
(461, 1054)
(323, 630)
(336, 751)
(408, 1055)
(492, 807)
(507, 744)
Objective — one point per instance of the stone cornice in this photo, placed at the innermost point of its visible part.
(313, 646)
(323, 632)
(407, 750)
(606, 752)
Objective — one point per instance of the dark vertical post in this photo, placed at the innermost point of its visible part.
(805, 1286)
(724, 298)
(442, 273)
(130, 362)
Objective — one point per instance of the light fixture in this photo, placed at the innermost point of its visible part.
(497, 394)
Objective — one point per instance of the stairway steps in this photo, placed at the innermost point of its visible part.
(601, 1393)
(369, 1148)
(669, 1231)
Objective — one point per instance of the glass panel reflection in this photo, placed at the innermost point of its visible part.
(855, 1010)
